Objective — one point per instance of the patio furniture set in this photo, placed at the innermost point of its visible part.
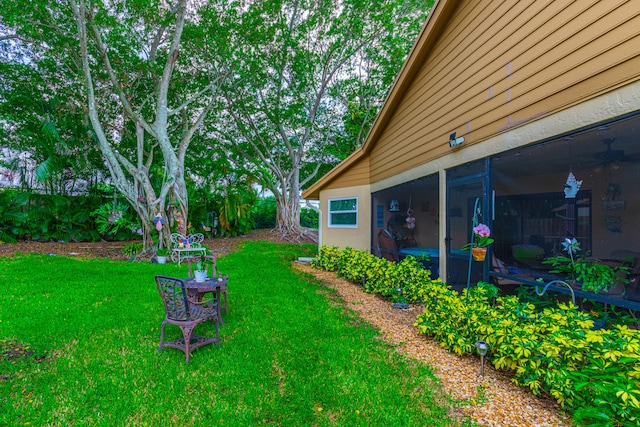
(188, 302)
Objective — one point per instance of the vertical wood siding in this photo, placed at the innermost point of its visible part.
(499, 64)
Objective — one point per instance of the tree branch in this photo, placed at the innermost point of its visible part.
(172, 58)
(114, 79)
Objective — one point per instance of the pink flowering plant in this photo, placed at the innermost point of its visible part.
(481, 237)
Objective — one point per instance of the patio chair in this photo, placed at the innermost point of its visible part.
(214, 273)
(388, 246)
(186, 313)
(498, 267)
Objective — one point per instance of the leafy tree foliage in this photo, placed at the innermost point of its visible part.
(294, 85)
(47, 146)
(119, 61)
(307, 79)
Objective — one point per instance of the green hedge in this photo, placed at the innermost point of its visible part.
(26, 215)
(378, 275)
(594, 374)
(264, 211)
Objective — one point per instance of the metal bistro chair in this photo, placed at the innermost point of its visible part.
(186, 313)
(223, 288)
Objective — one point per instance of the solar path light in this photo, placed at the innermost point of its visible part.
(482, 351)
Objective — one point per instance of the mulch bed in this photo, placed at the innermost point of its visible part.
(492, 400)
(113, 250)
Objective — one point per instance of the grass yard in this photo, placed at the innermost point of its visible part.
(79, 338)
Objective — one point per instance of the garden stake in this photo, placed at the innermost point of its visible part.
(560, 282)
(474, 222)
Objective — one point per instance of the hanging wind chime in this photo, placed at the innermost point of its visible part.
(571, 187)
(410, 221)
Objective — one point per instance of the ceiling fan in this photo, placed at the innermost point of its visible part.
(611, 155)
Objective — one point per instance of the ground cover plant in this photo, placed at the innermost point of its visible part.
(79, 337)
(556, 351)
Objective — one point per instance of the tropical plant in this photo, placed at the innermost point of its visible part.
(235, 211)
(481, 233)
(203, 263)
(132, 249)
(112, 218)
(162, 252)
(591, 273)
(30, 215)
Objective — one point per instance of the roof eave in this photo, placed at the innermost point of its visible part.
(436, 20)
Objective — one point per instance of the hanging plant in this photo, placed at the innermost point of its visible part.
(111, 218)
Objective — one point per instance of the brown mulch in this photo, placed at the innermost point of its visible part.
(492, 400)
(219, 246)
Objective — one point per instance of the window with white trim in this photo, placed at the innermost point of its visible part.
(343, 213)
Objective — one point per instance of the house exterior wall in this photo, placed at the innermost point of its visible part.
(358, 175)
(358, 237)
(499, 65)
(621, 101)
(502, 75)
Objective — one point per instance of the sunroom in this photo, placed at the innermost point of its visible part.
(524, 196)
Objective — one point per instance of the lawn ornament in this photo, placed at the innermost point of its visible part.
(571, 187)
(158, 221)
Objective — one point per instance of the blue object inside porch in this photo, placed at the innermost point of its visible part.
(460, 260)
(432, 264)
(432, 252)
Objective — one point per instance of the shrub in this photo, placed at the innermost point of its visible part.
(309, 218)
(595, 374)
(41, 217)
(264, 213)
(378, 275)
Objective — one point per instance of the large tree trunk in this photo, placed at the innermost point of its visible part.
(288, 212)
(288, 216)
(131, 178)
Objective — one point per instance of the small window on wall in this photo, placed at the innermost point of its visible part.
(343, 212)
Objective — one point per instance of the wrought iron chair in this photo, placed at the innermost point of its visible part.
(223, 288)
(186, 313)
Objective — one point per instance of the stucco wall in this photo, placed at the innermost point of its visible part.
(357, 238)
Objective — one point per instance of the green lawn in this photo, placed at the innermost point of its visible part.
(79, 337)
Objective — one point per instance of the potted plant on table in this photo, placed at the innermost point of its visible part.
(201, 268)
(479, 242)
(586, 273)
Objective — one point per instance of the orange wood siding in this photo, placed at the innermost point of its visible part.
(499, 64)
(356, 175)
